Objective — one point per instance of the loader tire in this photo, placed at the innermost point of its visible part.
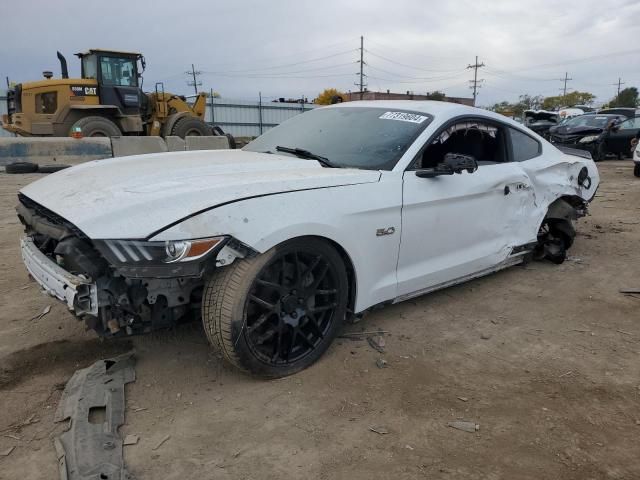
(21, 167)
(191, 127)
(96, 127)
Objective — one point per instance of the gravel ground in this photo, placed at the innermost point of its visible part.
(544, 358)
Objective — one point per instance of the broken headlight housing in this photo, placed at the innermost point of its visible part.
(140, 252)
(589, 138)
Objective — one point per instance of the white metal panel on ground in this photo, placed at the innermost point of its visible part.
(250, 118)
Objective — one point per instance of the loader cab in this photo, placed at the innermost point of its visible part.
(117, 76)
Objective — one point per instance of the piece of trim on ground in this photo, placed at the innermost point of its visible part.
(93, 403)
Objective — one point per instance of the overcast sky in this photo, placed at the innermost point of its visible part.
(293, 48)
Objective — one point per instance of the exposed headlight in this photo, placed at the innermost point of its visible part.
(589, 138)
(125, 252)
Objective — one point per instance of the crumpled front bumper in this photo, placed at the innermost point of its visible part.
(80, 294)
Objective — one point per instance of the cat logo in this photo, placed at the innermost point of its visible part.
(80, 91)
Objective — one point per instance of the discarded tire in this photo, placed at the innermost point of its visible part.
(21, 167)
(52, 168)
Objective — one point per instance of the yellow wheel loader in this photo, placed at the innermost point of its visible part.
(107, 101)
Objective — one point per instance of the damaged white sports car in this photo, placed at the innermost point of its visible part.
(331, 213)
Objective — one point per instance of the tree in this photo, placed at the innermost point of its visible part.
(568, 100)
(525, 102)
(328, 96)
(436, 96)
(528, 102)
(627, 98)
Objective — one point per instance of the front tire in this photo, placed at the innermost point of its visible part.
(96, 127)
(191, 127)
(276, 314)
(636, 170)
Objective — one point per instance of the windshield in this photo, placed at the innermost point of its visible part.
(597, 121)
(358, 137)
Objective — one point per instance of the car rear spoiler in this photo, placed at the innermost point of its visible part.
(574, 151)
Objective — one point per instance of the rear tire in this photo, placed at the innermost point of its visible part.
(555, 237)
(276, 314)
(96, 127)
(191, 127)
(21, 167)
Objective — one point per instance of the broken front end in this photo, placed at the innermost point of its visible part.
(119, 287)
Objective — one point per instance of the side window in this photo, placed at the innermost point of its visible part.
(47, 102)
(524, 147)
(630, 124)
(483, 141)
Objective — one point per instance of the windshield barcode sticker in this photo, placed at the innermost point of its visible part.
(403, 117)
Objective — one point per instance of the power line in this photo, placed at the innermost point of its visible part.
(578, 60)
(260, 74)
(502, 74)
(475, 80)
(195, 83)
(361, 85)
(407, 65)
(275, 67)
(565, 80)
(443, 77)
(402, 52)
(620, 82)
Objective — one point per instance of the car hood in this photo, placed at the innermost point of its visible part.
(583, 130)
(133, 197)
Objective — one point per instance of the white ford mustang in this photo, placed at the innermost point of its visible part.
(331, 213)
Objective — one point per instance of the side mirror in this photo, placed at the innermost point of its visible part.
(453, 163)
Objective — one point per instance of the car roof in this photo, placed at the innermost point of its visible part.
(431, 107)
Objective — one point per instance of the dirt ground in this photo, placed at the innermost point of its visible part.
(545, 358)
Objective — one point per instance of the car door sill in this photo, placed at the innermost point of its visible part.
(509, 262)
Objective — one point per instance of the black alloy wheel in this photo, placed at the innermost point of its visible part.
(291, 307)
(276, 313)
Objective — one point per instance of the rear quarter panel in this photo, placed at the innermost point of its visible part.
(554, 174)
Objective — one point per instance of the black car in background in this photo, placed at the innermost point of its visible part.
(587, 132)
(624, 111)
(618, 140)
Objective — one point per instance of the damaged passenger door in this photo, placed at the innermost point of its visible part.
(460, 225)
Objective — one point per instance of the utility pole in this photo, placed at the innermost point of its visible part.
(361, 84)
(565, 79)
(195, 83)
(475, 80)
(620, 82)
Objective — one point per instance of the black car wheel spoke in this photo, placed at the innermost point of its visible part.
(262, 302)
(291, 307)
